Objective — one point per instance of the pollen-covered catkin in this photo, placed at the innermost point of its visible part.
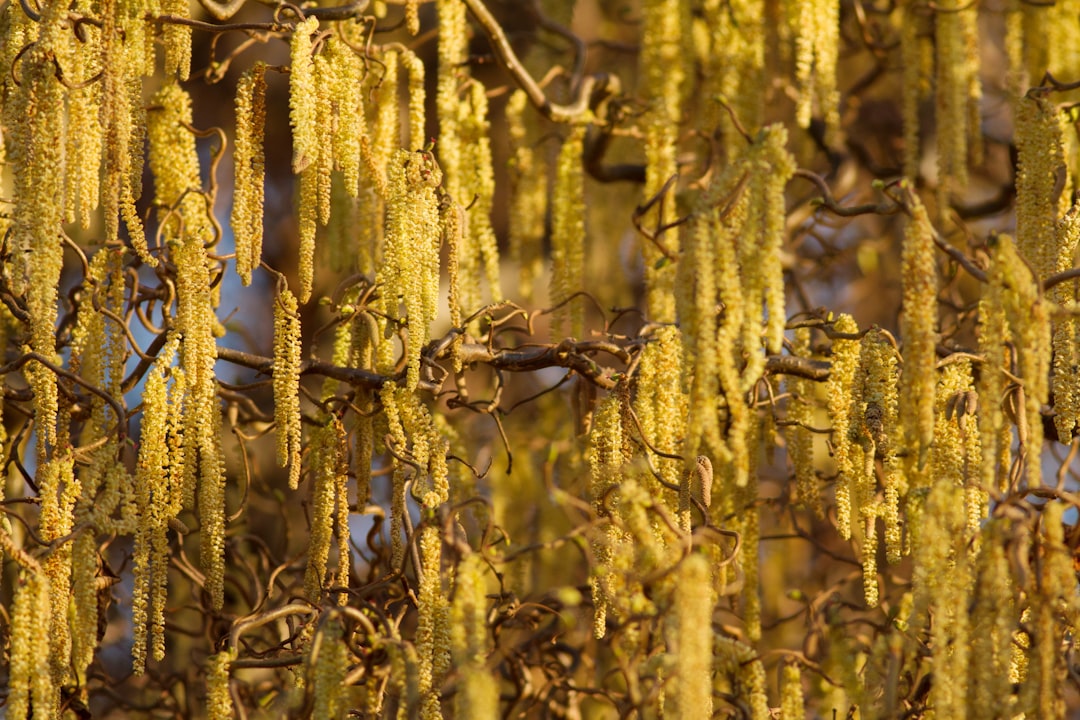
(477, 694)
(918, 323)
(1040, 181)
(303, 96)
(249, 170)
(692, 639)
(410, 272)
(29, 675)
(219, 704)
(800, 439)
(662, 67)
(840, 386)
(329, 657)
(287, 355)
(568, 237)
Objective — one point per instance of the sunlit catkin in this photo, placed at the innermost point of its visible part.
(36, 138)
(433, 629)
(453, 72)
(303, 94)
(477, 694)
(153, 475)
(692, 639)
(219, 704)
(993, 616)
(800, 415)
(1040, 179)
(817, 36)
(792, 706)
(187, 230)
(918, 325)
(479, 256)
(915, 78)
(568, 236)
(607, 454)
(29, 674)
(662, 60)
(954, 25)
(660, 403)
(414, 68)
(410, 273)
(1066, 338)
(329, 467)
(744, 675)
(840, 386)
(1028, 320)
(528, 195)
(329, 658)
(249, 170)
(287, 355)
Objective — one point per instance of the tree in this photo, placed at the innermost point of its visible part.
(712, 358)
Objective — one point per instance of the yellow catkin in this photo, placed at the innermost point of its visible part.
(249, 168)
(914, 33)
(704, 238)
(84, 604)
(414, 68)
(453, 72)
(918, 326)
(307, 221)
(792, 706)
(869, 555)
(993, 616)
(386, 131)
(733, 55)
(36, 136)
(287, 357)
(528, 195)
(177, 39)
(662, 69)
(942, 588)
(1066, 338)
(410, 273)
(175, 165)
(303, 96)
(817, 36)
(770, 166)
(412, 16)
(607, 454)
(660, 404)
(323, 163)
(477, 694)
(152, 486)
(568, 236)
(1028, 320)
(840, 387)
(433, 629)
(328, 462)
(219, 704)
(740, 667)
(29, 674)
(479, 256)
(85, 145)
(956, 441)
(800, 438)
(58, 489)
(955, 85)
(329, 660)
(121, 119)
(692, 640)
(350, 121)
(1040, 180)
